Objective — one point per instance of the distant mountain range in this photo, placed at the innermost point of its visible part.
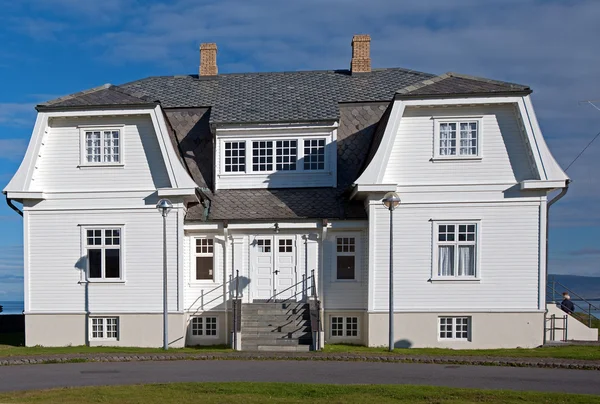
(587, 287)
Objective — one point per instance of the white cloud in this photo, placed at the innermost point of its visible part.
(17, 114)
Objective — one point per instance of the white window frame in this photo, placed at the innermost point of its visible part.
(249, 143)
(454, 321)
(457, 120)
(104, 325)
(345, 327)
(245, 157)
(357, 255)
(196, 254)
(204, 328)
(83, 163)
(435, 253)
(103, 246)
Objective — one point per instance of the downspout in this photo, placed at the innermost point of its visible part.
(9, 202)
(562, 193)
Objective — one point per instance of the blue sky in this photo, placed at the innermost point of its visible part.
(55, 47)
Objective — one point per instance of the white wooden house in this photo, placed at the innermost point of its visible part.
(277, 181)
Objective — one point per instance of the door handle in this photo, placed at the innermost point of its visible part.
(276, 272)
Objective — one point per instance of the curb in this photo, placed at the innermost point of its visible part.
(473, 361)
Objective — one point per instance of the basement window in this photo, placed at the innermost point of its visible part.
(454, 328)
(104, 328)
(344, 326)
(204, 326)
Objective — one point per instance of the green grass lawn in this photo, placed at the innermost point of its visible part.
(249, 393)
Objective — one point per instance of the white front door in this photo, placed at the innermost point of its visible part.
(285, 268)
(274, 263)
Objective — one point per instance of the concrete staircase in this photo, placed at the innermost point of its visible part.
(276, 327)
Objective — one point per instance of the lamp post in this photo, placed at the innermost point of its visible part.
(164, 206)
(390, 201)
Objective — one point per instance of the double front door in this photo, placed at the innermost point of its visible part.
(273, 260)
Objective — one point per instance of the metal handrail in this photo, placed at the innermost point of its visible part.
(303, 288)
(551, 287)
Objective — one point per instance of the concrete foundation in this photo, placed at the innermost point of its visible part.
(139, 330)
(488, 330)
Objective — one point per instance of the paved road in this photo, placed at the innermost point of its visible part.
(28, 377)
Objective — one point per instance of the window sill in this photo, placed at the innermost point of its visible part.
(92, 166)
(454, 280)
(270, 173)
(345, 281)
(455, 159)
(103, 281)
(454, 340)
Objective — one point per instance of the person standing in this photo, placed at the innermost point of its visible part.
(567, 305)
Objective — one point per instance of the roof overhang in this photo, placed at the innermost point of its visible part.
(409, 96)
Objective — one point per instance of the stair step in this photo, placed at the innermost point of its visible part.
(276, 336)
(271, 330)
(271, 348)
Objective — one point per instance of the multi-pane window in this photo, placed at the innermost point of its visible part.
(344, 326)
(346, 258)
(454, 327)
(235, 157)
(285, 245)
(264, 245)
(204, 326)
(458, 139)
(204, 259)
(285, 155)
(314, 154)
(456, 249)
(104, 328)
(262, 155)
(267, 156)
(103, 248)
(102, 146)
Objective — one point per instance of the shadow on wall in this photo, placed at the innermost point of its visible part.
(403, 343)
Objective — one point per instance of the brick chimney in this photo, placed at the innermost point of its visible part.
(361, 54)
(208, 59)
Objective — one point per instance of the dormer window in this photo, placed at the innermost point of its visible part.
(314, 154)
(101, 146)
(301, 156)
(269, 156)
(235, 157)
(457, 139)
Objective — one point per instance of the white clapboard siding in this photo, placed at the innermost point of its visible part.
(204, 295)
(345, 295)
(55, 256)
(503, 148)
(508, 249)
(57, 166)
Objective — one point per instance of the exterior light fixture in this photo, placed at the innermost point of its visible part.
(164, 206)
(276, 228)
(391, 200)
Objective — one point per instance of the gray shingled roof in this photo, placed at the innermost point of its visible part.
(454, 84)
(275, 97)
(105, 95)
